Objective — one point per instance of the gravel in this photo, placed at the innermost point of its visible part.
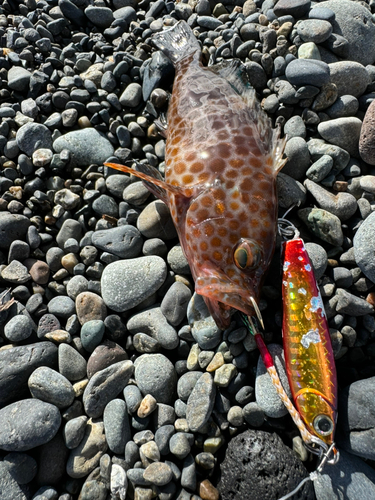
(120, 377)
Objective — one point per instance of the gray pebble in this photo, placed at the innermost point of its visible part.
(105, 205)
(350, 78)
(345, 105)
(116, 425)
(76, 285)
(61, 306)
(266, 396)
(289, 191)
(70, 229)
(208, 22)
(320, 169)
(177, 260)
(179, 445)
(155, 375)
(186, 384)
(314, 30)
(175, 303)
(307, 72)
(126, 284)
(49, 385)
(104, 386)
(12, 227)
(102, 17)
(145, 344)
(92, 334)
(364, 247)
(33, 136)
(16, 273)
(154, 323)
(343, 205)
(131, 96)
(318, 257)
(318, 148)
(135, 476)
(203, 327)
(131, 453)
(162, 437)
(323, 224)
(354, 22)
(123, 241)
(133, 398)
(117, 183)
(295, 127)
(86, 146)
(18, 78)
(18, 363)
(27, 424)
(342, 277)
(244, 395)
(72, 364)
(343, 132)
(200, 403)
(297, 152)
(22, 467)
(158, 473)
(155, 221)
(18, 328)
(74, 431)
(351, 304)
(188, 473)
(163, 415)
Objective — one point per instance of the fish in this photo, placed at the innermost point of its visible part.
(221, 161)
(309, 358)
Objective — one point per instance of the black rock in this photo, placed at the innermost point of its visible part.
(12, 227)
(156, 70)
(258, 465)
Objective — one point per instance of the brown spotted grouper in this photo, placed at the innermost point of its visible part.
(222, 159)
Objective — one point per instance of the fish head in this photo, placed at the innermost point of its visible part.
(233, 282)
(318, 414)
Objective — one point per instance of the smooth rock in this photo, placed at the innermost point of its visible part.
(90, 306)
(18, 363)
(343, 132)
(126, 284)
(105, 355)
(307, 72)
(343, 205)
(123, 241)
(86, 146)
(116, 425)
(27, 424)
(323, 224)
(33, 136)
(350, 78)
(49, 385)
(154, 323)
(367, 136)
(364, 247)
(85, 457)
(354, 22)
(155, 375)
(104, 386)
(200, 403)
(12, 227)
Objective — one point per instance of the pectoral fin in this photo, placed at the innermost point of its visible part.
(152, 180)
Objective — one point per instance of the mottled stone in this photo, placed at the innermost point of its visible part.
(201, 402)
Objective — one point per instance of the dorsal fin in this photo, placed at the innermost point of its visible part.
(152, 179)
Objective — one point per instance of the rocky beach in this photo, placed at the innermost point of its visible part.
(115, 382)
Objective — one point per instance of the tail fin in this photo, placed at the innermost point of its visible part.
(177, 42)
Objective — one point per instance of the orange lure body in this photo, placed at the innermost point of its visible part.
(307, 344)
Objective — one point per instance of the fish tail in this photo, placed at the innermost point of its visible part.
(177, 42)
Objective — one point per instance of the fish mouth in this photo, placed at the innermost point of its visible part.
(229, 296)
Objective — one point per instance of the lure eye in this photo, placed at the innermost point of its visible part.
(323, 425)
(247, 255)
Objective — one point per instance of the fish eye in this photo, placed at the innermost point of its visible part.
(247, 255)
(323, 425)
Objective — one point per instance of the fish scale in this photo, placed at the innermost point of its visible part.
(222, 158)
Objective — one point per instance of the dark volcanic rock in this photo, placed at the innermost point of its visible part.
(258, 465)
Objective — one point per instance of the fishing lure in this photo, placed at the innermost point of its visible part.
(308, 352)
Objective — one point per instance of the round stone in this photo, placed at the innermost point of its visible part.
(90, 306)
(72, 364)
(92, 334)
(364, 247)
(155, 221)
(123, 241)
(61, 306)
(350, 78)
(33, 136)
(86, 146)
(127, 283)
(27, 424)
(155, 375)
(18, 328)
(307, 72)
(50, 386)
